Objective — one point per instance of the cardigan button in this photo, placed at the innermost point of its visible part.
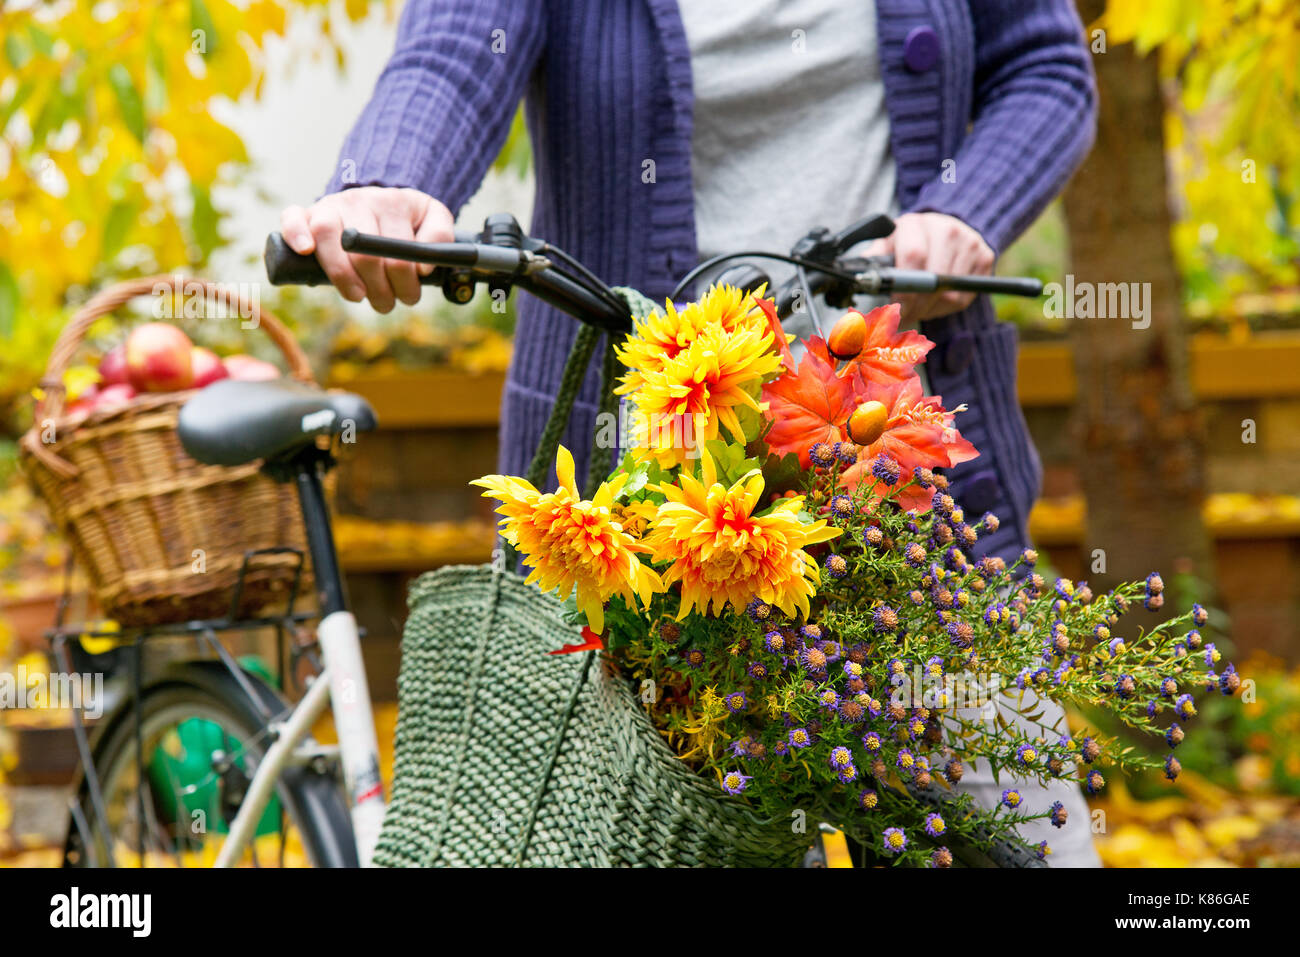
(979, 493)
(921, 49)
(958, 353)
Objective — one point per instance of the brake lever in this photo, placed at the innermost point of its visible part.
(874, 227)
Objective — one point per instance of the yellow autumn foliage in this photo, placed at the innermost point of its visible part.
(109, 150)
(1232, 130)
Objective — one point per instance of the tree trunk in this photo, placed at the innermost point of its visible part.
(1139, 433)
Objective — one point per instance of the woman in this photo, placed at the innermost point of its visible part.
(664, 131)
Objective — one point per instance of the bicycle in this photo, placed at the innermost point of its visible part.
(212, 738)
(282, 423)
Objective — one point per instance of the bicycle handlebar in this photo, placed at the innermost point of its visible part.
(512, 258)
(522, 267)
(878, 276)
(284, 267)
(914, 280)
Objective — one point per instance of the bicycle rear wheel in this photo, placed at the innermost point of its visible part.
(203, 739)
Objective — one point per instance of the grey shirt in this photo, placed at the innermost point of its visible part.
(791, 132)
(790, 124)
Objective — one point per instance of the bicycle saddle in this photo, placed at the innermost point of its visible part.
(232, 422)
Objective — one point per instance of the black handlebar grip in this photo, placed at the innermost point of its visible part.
(998, 285)
(919, 281)
(284, 267)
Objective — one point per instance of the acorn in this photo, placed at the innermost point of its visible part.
(867, 423)
(848, 336)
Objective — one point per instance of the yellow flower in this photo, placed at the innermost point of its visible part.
(659, 337)
(732, 309)
(721, 552)
(571, 543)
(636, 517)
(698, 391)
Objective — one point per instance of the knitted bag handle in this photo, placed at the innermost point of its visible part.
(575, 370)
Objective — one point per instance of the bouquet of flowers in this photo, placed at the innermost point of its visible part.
(779, 569)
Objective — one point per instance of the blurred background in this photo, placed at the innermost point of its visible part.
(137, 139)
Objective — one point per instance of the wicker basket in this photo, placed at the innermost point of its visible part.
(161, 536)
(508, 756)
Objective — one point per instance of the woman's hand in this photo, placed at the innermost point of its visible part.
(395, 213)
(938, 243)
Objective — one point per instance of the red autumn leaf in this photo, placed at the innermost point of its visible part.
(593, 642)
(808, 406)
(888, 353)
(774, 324)
(919, 432)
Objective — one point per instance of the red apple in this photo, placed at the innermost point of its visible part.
(113, 395)
(112, 368)
(84, 404)
(249, 369)
(158, 358)
(207, 367)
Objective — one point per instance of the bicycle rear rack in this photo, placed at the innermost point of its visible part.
(204, 631)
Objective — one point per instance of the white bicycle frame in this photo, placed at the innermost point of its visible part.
(343, 686)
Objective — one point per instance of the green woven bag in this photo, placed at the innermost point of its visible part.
(509, 756)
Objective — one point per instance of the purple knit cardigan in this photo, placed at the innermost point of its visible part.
(607, 83)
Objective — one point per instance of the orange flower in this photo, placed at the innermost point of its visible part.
(635, 517)
(722, 552)
(661, 336)
(572, 544)
(698, 392)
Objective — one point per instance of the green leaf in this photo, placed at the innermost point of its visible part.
(782, 474)
(117, 224)
(516, 153)
(155, 83)
(752, 422)
(637, 478)
(128, 99)
(720, 451)
(201, 19)
(15, 103)
(730, 461)
(15, 52)
(8, 301)
(43, 42)
(46, 119)
(204, 220)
